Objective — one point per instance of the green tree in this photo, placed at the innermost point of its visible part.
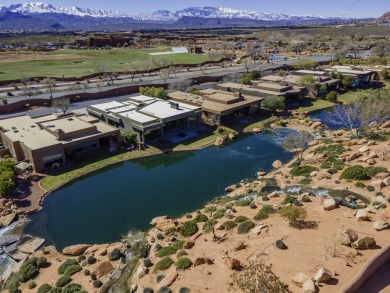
(309, 82)
(346, 81)
(274, 103)
(130, 137)
(304, 63)
(385, 73)
(155, 92)
(332, 96)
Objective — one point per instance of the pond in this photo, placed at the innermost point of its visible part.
(101, 206)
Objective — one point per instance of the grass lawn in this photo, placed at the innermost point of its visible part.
(83, 62)
(51, 182)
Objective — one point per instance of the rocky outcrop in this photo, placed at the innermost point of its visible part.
(299, 279)
(329, 204)
(322, 275)
(76, 250)
(219, 141)
(347, 237)
(277, 164)
(103, 269)
(232, 263)
(380, 225)
(170, 278)
(362, 215)
(364, 243)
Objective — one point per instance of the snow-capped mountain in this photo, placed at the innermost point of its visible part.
(34, 8)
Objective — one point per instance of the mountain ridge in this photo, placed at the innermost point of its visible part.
(34, 8)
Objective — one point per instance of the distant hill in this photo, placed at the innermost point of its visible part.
(385, 17)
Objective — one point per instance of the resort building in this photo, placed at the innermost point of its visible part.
(323, 81)
(264, 89)
(151, 118)
(48, 141)
(359, 76)
(218, 105)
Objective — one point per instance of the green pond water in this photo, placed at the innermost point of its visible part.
(101, 206)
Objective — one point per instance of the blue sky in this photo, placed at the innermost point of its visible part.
(362, 8)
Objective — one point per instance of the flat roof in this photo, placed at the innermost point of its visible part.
(349, 71)
(26, 130)
(107, 105)
(137, 116)
(67, 124)
(253, 90)
(163, 109)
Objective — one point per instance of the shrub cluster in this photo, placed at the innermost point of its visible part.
(208, 225)
(229, 225)
(264, 213)
(163, 264)
(6, 176)
(358, 172)
(240, 219)
(188, 229)
(245, 227)
(243, 202)
(67, 263)
(304, 170)
(170, 249)
(219, 213)
(183, 263)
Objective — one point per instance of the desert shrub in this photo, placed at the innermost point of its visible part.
(240, 219)
(280, 244)
(219, 213)
(382, 206)
(188, 229)
(305, 181)
(360, 184)
(258, 277)
(184, 290)
(296, 216)
(31, 284)
(87, 272)
(304, 170)
(170, 231)
(200, 218)
(229, 225)
(208, 225)
(372, 171)
(91, 259)
(72, 270)
(80, 258)
(44, 288)
(243, 202)
(164, 289)
(170, 249)
(163, 264)
(27, 272)
(289, 199)
(245, 227)
(376, 203)
(370, 188)
(148, 290)
(57, 290)
(69, 262)
(388, 199)
(97, 284)
(333, 165)
(331, 151)
(356, 172)
(13, 284)
(63, 280)
(41, 262)
(183, 263)
(210, 209)
(71, 288)
(115, 254)
(181, 253)
(264, 213)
